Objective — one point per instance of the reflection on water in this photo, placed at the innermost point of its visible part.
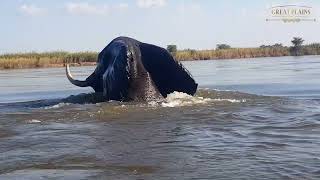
(218, 134)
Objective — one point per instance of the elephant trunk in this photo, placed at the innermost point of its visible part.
(74, 81)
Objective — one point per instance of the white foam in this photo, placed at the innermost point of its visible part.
(177, 99)
(206, 89)
(34, 121)
(182, 99)
(230, 100)
(57, 106)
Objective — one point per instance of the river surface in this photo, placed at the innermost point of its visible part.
(250, 119)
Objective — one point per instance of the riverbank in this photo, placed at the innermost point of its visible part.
(60, 58)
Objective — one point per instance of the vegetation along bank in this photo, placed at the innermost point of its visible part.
(222, 51)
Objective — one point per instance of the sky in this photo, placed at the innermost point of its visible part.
(89, 25)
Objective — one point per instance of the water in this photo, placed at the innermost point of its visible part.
(251, 119)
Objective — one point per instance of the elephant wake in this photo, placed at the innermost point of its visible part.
(131, 70)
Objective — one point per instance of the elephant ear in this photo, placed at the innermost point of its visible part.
(167, 74)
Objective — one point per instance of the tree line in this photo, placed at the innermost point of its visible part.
(225, 51)
(222, 51)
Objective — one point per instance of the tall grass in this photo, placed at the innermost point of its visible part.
(46, 59)
(231, 53)
(59, 58)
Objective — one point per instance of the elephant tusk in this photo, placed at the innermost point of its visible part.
(74, 81)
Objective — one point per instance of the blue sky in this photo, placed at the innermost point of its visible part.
(88, 25)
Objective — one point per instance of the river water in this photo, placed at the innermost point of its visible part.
(250, 119)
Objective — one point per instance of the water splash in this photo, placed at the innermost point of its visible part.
(230, 100)
(178, 99)
(34, 121)
(56, 106)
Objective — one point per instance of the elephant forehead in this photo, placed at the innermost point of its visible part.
(117, 48)
(110, 54)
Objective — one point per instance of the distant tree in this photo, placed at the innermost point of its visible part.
(277, 45)
(172, 49)
(296, 49)
(223, 46)
(297, 41)
(264, 46)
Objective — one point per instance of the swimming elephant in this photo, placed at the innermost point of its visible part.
(131, 70)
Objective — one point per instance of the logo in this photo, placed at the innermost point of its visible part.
(291, 13)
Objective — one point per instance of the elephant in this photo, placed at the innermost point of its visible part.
(130, 70)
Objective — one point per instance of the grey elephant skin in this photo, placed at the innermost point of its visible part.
(128, 70)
